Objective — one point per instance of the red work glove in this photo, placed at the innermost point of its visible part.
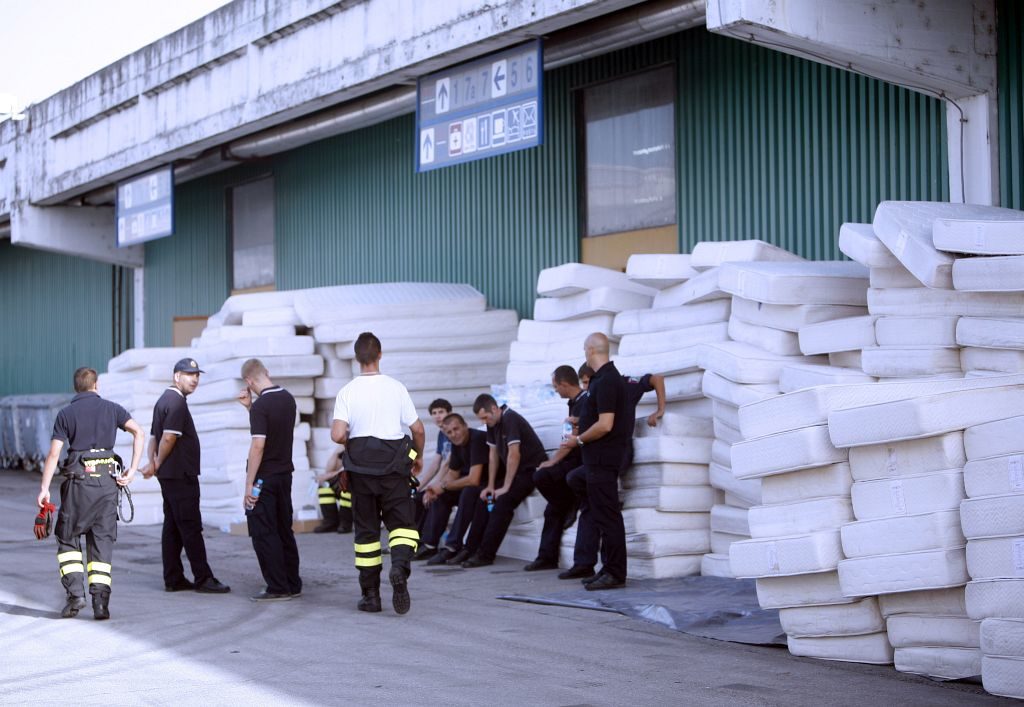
(44, 521)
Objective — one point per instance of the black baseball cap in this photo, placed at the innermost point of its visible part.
(187, 365)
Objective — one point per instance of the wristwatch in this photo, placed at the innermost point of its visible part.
(579, 441)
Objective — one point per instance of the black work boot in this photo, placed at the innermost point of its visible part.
(329, 522)
(400, 599)
(370, 601)
(72, 607)
(100, 606)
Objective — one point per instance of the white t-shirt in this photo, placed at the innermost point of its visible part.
(375, 406)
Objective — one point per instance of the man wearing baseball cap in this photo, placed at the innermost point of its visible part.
(174, 458)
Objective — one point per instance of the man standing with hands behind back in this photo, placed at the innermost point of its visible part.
(370, 417)
(272, 426)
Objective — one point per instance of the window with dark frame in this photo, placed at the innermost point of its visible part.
(629, 169)
(252, 234)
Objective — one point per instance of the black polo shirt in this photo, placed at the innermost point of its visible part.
(576, 407)
(473, 452)
(512, 428)
(635, 389)
(272, 416)
(171, 414)
(89, 422)
(607, 393)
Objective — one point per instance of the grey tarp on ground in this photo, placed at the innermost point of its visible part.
(713, 607)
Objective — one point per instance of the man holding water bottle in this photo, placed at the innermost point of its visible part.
(268, 480)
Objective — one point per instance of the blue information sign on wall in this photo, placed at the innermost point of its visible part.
(145, 207)
(482, 108)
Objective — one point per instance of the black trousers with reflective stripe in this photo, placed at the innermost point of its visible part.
(183, 529)
(377, 499)
(87, 507)
(270, 527)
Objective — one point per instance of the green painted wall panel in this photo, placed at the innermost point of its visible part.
(59, 312)
(1011, 103)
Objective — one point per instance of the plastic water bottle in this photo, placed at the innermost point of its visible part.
(490, 502)
(256, 488)
(566, 431)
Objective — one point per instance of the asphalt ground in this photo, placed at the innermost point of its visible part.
(458, 646)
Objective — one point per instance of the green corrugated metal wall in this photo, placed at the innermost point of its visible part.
(1011, 103)
(59, 312)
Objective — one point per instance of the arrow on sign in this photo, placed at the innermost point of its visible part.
(498, 71)
(442, 97)
(499, 79)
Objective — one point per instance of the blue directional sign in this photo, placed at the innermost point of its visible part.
(485, 107)
(145, 207)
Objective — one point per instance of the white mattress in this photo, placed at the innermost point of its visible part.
(911, 457)
(845, 359)
(668, 340)
(725, 432)
(804, 448)
(668, 542)
(1006, 333)
(451, 377)
(715, 565)
(236, 332)
(790, 317)
(659, 270)
(720, 542)
(910, 533)
(998, 360)
(1003, 675)
(677, 424)
(532, 352)
(777, 341)
(645, 520)
(907, 361)
(996, 233)
(721, 455)
(139, 358)
(993, 516)
(406, 333)
(702, 288)
(817, 482)
(743, 363)
(909, 302)
(664, 567)
(799, 376)
(685, 499)
(681, 360)
(227, 390)
(574, 278)
(988, 598)
(797, 283)
(937, 602)
(995, 438)
(818, 589)
(681, 450)
(903, 572)
(726, 413)
(643, 321)
(731, 499)
(722, 478)
(924, 416)
(859, 243)
(994, 475)
(729, 519)
(908, 495)
(897, 276)
(393, 299)
(1002, 274)
(603, 300)
(708, 254)
(541, 332)
(799, 517)
(992, 558)
(796, 554)
(665, 474)
(272, 316)
(916, 331)
(845, 334)
(941, 662)
(853, 619)
(726, 391)
(1002, 637)
(872, 648)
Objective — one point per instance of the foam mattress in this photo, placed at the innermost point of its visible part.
(907, 361)
(659, 270)
(645, 520)
(998, 360)
(1005, 333)
(672, 542)
(845, 334)
(872, 648)
(819, 589)
(1003, 675)
(937, 602)
(859, 243)
(897, 276)
(997, 233)
(916, 331)
(1002, 274)
(496, 322)
(790, 317)
(854, 619)
(940, 662)
(903, 572)
(708, 254)
(912, 302)
(845, 359)
(1002, 637)
(642, 321)
(994, 475)
(776, 341)
(993, 516)
(804, 448)
(988, 598)
(799, 517)
(797, 554)
(574, 278)
(542, 332)
(132, 359)
(816, 482)
(662, 341)
(680, 450)
(393, 299)
(993, 558)
(743, 363)
(603, 300)
(729, 519)
(910, 533)
(272, 316)
(666, 363)
(702, 288)
(720, 542)
(995, 438)
(726, 414)
(726, 391)
(722, 478)
(685, 499)
(665, 474)
(924, 416)
(797, 283)
(907, 458)
(797, 376)
(531, 352)
(908, 495)
(715, 565)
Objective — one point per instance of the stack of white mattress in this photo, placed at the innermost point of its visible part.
(993, 521)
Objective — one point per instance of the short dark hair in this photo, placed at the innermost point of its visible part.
(85, 379)
(367, 348)
(586, 370)
(484, 401)
(566, 374)
(440, 403)
(452, 417)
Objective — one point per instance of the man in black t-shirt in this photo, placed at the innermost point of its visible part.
(467, 467)
(272, 418)
(174, 458)
(517, 451)
(88, 493)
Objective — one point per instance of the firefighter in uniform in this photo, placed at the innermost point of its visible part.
(88, 493)
(335, 504)
(370, 416)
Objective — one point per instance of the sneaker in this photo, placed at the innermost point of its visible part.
(441, 557)
(459, 557)
(400, 599)
(539, 564)
(72, 607)
(272, 596)
(583, 572)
